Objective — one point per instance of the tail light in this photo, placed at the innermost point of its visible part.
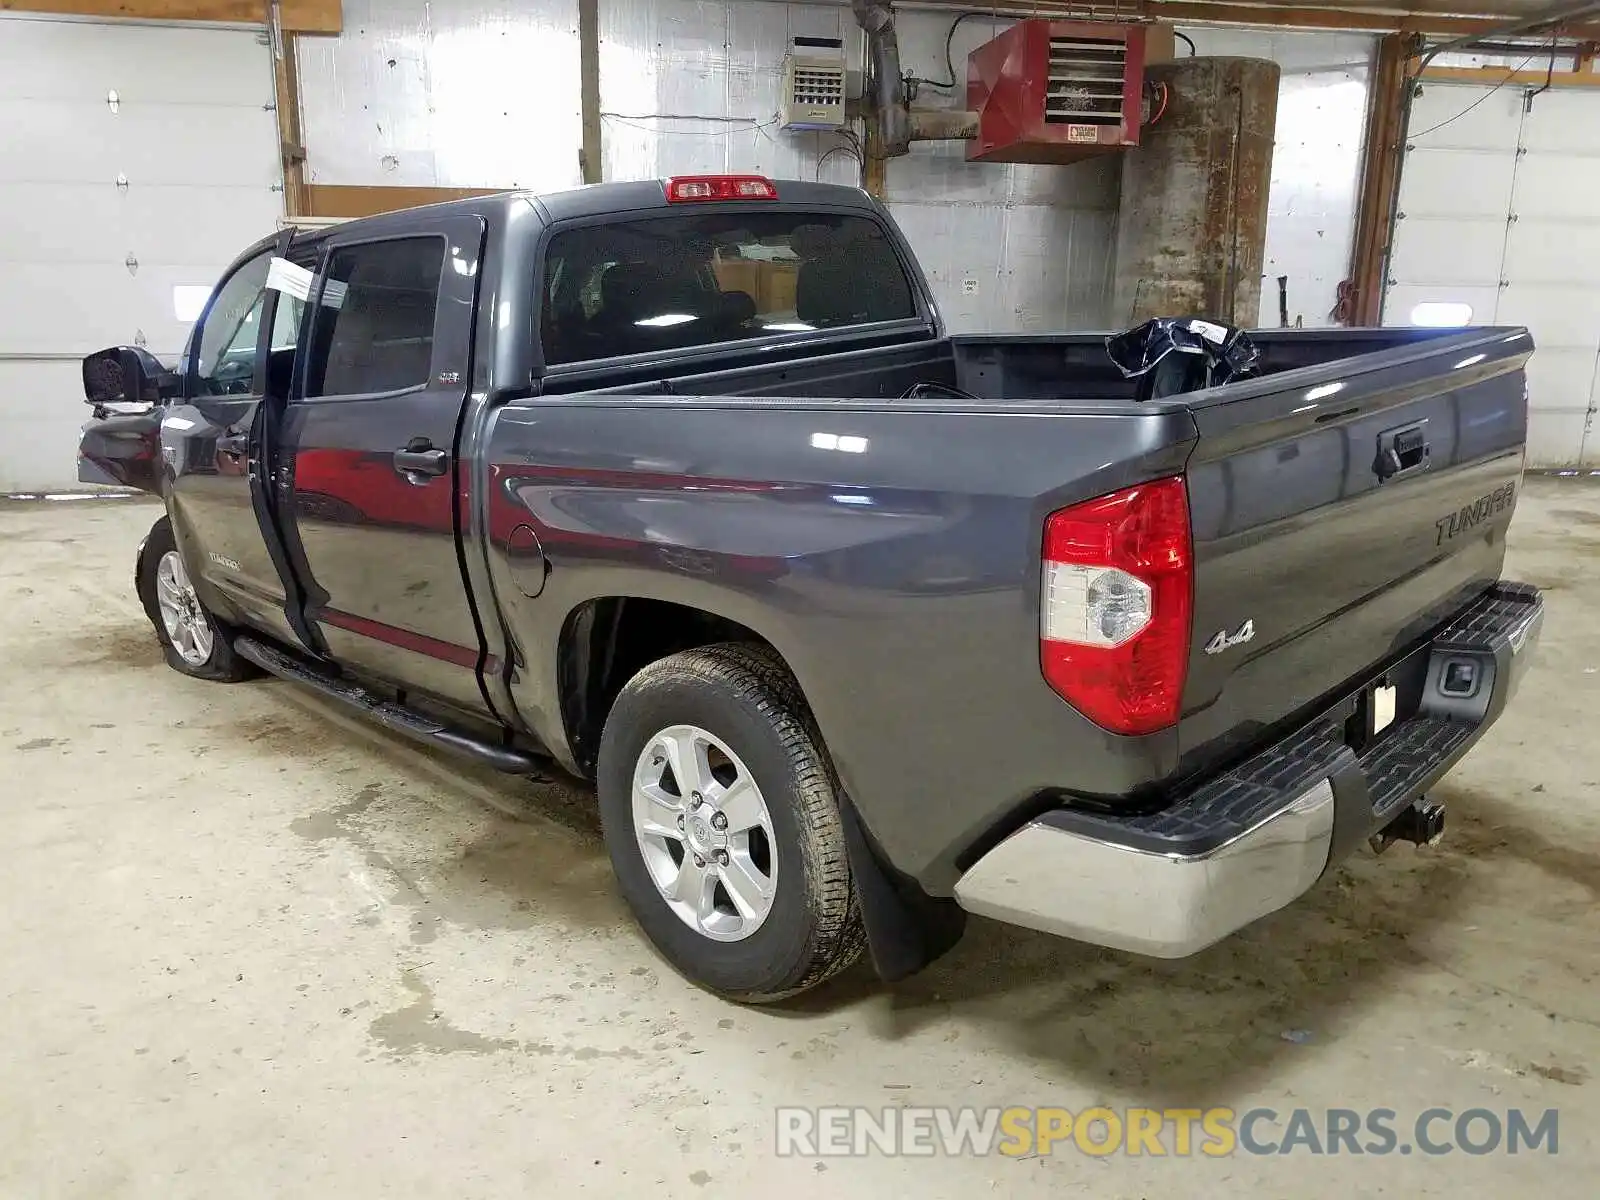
(1115, 611)
(688, 188)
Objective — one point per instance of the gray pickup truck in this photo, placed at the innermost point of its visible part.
(856, 626)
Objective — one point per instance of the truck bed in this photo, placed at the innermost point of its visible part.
(1060, 368)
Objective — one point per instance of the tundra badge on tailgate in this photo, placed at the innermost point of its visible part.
(1476, 513)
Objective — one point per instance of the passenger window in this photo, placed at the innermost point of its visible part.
(225, 358)
(696, 279)
(372, 330)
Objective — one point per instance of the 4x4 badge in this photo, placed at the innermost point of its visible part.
(1222, 639)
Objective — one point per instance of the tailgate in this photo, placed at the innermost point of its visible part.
(1340, 512)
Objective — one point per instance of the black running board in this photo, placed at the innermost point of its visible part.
(393, 716)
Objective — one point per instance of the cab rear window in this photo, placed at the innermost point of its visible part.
(696, 279)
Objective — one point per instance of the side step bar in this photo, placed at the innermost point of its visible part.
(393, 716)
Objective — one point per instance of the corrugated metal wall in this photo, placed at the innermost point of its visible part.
(484, 93)
(692, 87)
(444, 93)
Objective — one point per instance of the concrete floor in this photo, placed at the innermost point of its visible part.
(251, 947)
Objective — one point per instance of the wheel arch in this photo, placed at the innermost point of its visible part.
(606, 640)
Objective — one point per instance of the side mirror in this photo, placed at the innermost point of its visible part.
(126, 375)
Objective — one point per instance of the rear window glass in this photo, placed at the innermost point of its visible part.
(373, 330)
(694, 279)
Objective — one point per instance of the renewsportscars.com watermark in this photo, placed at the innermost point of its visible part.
(1159, 1132)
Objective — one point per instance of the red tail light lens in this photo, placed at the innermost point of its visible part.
(1115, 611)
(686, 189)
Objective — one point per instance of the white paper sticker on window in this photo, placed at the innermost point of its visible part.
(284, 276)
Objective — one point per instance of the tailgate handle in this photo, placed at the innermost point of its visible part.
(1402, 451)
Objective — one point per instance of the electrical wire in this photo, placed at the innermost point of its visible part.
(1549, 75)
(616, 116)
(827, 154)
(852, 147)
(949, 43)
(1411, 137)
(1186, 40)
(1166, 95)
(745, 124)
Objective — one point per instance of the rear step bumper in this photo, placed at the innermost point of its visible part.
(1245, 844)
(387, 713)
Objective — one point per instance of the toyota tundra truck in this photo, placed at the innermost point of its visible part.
(857, 627)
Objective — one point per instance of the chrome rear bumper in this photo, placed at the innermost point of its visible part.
(1161, 904)
(1170, 883)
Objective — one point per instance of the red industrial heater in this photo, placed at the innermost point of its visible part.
(1056, 91)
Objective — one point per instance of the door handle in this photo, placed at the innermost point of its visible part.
(234, 443)
(419, 459)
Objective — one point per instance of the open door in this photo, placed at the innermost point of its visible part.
(215, 459)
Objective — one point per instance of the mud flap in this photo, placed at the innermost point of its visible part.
(907, 929)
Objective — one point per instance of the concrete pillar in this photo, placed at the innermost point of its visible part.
(1192, 229)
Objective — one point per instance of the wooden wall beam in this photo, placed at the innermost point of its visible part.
(299, 16)
(1353, 19)
(349, 201)
(1369, 251)
(875, 169)
(1497, 76)
(1197, 12)
(291, 138)
(591, 151)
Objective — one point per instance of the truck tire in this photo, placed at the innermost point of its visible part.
(194, 641)
(736, 869)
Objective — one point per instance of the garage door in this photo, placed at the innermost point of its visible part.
(1498, 225)
(135, 162)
